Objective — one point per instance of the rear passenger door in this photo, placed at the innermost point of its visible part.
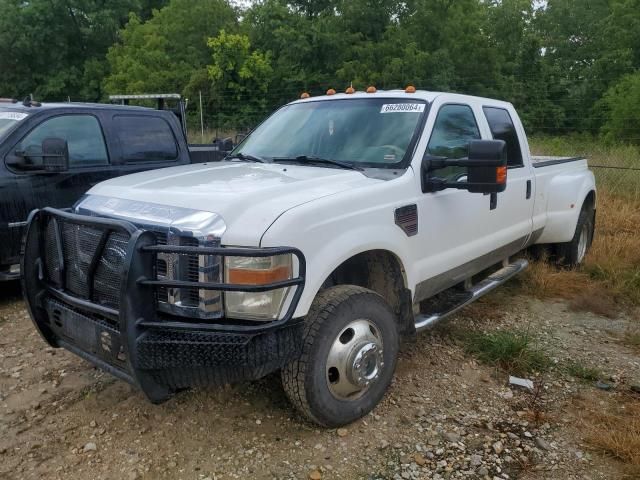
(515, 204)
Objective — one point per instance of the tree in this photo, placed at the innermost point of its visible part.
(55, 49)
(620, 109)
(167, 53)
(239, 80)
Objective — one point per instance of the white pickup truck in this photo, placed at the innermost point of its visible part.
(342, 225)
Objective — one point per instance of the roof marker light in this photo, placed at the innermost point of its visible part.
(350, 90)
(371, 89)
(305, 95)
(410, 89)
(331, 91)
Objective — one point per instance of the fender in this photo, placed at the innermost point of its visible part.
(325, 255)
(566, 194)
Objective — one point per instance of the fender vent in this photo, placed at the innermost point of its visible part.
(407, 219)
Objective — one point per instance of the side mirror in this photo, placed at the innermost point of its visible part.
(55, 155)
(486, 169)
(226, 144)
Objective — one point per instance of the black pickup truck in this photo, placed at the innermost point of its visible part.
(51, 154)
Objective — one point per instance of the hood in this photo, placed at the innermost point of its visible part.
(248, 197)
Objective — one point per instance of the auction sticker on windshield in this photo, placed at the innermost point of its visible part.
(17, 116)
(402, 108)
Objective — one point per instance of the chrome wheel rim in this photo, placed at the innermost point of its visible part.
(582, 242)
(355, 360)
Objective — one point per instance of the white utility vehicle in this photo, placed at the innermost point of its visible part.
(343, 224)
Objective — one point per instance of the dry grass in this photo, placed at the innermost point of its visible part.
(610, 278)
(611, 424)
(631, 338)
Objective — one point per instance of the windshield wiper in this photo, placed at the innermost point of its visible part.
(305, 159)
(247, 157)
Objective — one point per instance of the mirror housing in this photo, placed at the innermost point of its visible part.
(486, 169)
(488, 166)
(226, 144)
(55, 155)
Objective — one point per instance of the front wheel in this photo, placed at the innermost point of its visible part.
(348, 357)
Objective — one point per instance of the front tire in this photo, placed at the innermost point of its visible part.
(348, 357)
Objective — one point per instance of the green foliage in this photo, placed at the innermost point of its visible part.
(55, 49)
(567, 65)
(239, 74)
(168, 53)
(511, 351)
(621, 104)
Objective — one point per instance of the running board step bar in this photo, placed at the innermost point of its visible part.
(424, 321)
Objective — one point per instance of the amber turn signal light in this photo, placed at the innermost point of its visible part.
(501, 175)
(371, 89)
(305, 95)
(331, 91)
(350, 90)
(242, 276)
(410, 89)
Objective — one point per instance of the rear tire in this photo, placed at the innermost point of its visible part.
(573, 253)
(348, 356)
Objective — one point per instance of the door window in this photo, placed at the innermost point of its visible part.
(502, 128)
(145, 138)
(455, 126)
(82, 133)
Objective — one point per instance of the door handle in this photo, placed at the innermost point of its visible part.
(528, 189)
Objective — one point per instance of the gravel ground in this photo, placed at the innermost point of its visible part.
(446, 416)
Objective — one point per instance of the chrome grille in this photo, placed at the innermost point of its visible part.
(191, 302)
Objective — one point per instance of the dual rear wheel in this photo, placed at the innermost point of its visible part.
(573, 253)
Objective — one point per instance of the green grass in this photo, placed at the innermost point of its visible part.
(513, 352)
(582, 372)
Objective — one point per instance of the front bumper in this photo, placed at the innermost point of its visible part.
(111, 319)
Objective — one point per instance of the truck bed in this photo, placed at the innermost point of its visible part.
(544, 161)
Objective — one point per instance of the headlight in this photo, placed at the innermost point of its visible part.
(263, 306)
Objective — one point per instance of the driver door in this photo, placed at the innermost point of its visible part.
(32, 187)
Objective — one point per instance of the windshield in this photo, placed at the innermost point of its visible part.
(371, 132)
(8, 119)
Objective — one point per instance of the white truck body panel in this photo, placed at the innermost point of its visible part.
(245, 195)
(560, 191)
(332, 214)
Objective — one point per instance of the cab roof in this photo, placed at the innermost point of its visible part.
(20, 107)
(400, 93)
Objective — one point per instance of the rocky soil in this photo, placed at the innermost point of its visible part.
(446, 416)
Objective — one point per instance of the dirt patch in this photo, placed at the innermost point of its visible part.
(446, 415)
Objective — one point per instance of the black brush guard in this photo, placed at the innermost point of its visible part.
(90, 286)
